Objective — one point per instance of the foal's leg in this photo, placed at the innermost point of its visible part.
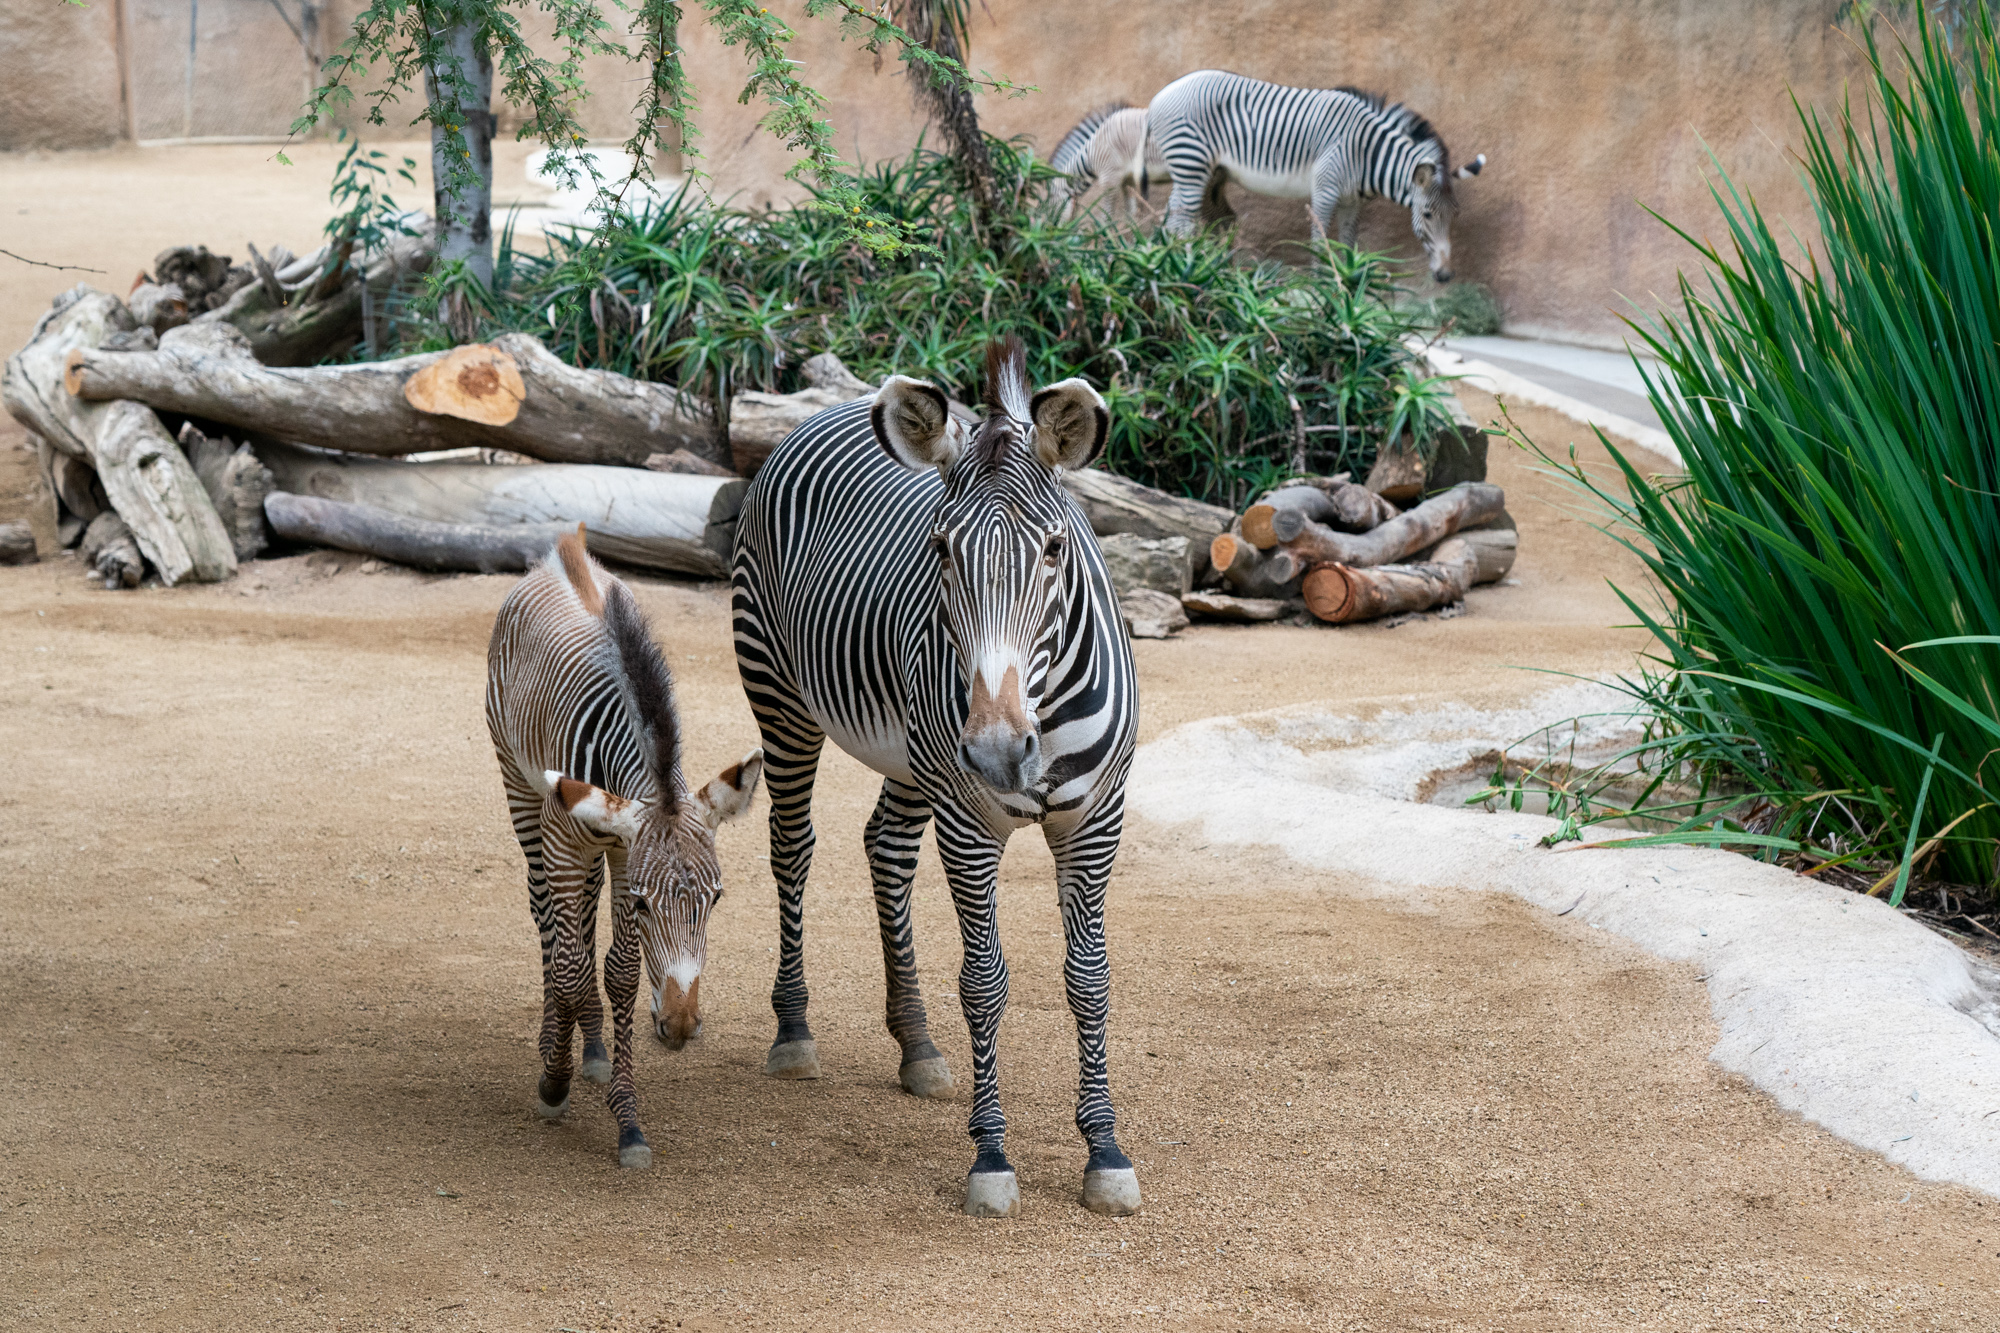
(596, 1061)
(1083, 868)
(571, 856)
(792, 744)
(895, 835)
(524, 808)
(971, 857)
(621, 987)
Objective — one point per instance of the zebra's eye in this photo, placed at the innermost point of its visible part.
(1053, 549)
(638, 903)
(940, 547)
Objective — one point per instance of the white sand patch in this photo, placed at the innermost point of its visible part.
(1842, 1009)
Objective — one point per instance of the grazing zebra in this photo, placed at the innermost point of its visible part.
(580, 706)
(933, 600)
(1334, 146)
(1109, 144)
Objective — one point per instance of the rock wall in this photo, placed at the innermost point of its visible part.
(1590, 111)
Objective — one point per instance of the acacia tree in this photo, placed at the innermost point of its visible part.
(459, 47)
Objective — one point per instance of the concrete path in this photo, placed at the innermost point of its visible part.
(1607, 380)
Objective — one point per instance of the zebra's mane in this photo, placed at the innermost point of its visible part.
(1399, 118)
(650, 686)
(1070, 149)
(1006, 399)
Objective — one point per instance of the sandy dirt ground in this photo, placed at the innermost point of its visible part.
(271, 992)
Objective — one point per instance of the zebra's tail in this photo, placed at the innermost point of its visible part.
(576, 567)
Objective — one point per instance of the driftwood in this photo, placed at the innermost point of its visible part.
(759, 422)
(1115, 504)
(419, 543)
(73, 486)
(236, 484)
(1426, 525)
(1494, 545)
(17, 544)
(655, 520)
(308, 309)
(1340, 594)
(1457, 455)
(680, 460)
(563, 415)
(111, 553)
(145, 477)
(1221, 606)
(1343, 506)
(1250, 572)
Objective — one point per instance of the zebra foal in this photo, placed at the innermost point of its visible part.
(1109, 144)
(1332, 146)
(933, 600)
(580, 706)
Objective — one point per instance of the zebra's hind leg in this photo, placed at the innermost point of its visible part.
(895, 835)
(971, 857)
(792, 744)
(1084, 855)
(621, 987)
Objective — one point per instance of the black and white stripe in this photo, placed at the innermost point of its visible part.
(1333, 146)
(892, 606)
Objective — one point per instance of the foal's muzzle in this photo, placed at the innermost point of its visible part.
(678, 1019)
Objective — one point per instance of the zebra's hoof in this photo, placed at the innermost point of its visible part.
(596, 1063)
(638, 1156)
(551, 1098)
(992, 1194)
(792, 1059)
(1112, 1193)
(548, 1112)
(927, 1078)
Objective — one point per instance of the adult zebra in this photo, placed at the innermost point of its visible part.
(1334, 146)
(934, 601)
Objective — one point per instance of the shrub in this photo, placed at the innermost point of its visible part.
(1463, 307)
(1222, 377)
(1831, 559)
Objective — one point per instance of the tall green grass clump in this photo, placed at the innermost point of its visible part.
(1222, 377)
(1831, 559)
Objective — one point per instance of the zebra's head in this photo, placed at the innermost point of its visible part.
(671, 872)
(1433, 206)
(1003, 542)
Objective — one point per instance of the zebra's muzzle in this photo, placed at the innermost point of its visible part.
(678, 1019)
(999, 745)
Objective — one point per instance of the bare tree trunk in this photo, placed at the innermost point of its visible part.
(460, 89)
(940, 25)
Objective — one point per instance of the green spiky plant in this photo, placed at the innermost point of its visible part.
(1830, 560)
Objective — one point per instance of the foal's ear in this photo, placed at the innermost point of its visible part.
(1471, 168)
(1423, 175)
(729, 794)
(913, 421)
(1069, 424)
(595, 808)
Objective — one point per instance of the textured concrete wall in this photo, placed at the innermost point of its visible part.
(1587, 109)
(59, 85)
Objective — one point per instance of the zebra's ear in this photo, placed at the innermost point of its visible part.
(913, 422)
(1471, 168)
(729, 794)
(1424, 175)
(1069, 424)
(595, 808)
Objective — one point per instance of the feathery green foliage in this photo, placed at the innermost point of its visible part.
(1218, 375)
(1831, 560)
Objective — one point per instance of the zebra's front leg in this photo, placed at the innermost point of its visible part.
(971, 856)
(894, 838)
(792, 748)
(621, 987)
(1083, 868)
(596, 1060)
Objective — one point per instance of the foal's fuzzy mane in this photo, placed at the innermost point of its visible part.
(651, 688)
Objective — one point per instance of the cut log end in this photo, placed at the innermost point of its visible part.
(473, 383)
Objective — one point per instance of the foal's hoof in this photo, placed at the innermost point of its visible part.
(596, 1063)
(632, 1150)
(1113, 1193)
(927, 1078)
(551, 1099)
(992, 1194)
(792, 1059)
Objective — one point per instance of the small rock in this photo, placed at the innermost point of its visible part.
(1221, 606)
(1151, 615)
(371, 566)
(1162, 564)
(684, 460)
(17, 544)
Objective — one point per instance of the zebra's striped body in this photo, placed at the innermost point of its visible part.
(1109, 145)
(580, 708)
(1332, 146)
(953, 627)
